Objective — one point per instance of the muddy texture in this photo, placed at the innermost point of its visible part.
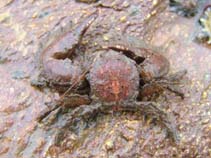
(25, 26)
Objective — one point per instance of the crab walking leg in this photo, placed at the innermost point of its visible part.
(85, 111)
(174, 89)
(150, 108)
(49, 113)
(177, 76)
(82, 112)
(174, 79)
(169, 82)
(54, 108)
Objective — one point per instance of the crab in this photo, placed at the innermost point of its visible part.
(117, 76)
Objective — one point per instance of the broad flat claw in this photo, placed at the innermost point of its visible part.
(55, 59)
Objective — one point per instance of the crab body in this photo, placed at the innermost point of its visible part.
(114, 77)
(117, 75)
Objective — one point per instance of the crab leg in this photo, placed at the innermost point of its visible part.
(81, 113)
(150, 108)
(68, 101)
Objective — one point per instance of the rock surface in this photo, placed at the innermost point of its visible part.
(23, 27)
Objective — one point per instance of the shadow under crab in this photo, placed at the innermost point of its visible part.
(118, 76)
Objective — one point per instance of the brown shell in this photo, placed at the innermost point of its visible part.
(114, 77)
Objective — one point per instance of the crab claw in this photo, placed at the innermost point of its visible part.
(57, 65)
(155, 66)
